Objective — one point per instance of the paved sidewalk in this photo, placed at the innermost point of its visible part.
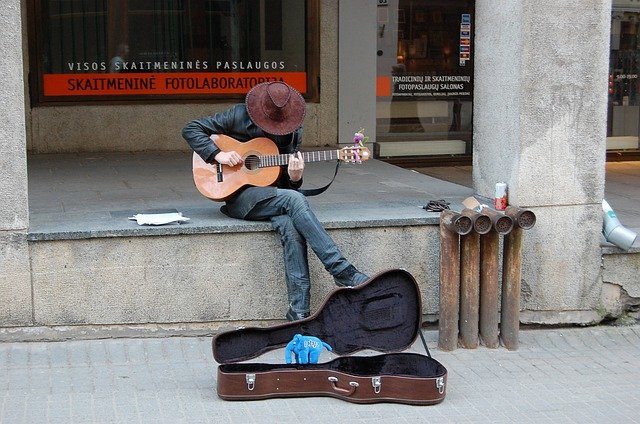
(575, 375)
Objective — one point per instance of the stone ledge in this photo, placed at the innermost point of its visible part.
(611, 249)
(93, 332)
(560, 317)
(209, 221)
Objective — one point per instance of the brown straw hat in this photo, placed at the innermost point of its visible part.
(276, 107)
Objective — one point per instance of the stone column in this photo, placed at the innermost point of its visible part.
(356, 69)
(15, 277)
(540, 112)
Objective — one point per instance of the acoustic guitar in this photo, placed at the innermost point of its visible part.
(260, 167)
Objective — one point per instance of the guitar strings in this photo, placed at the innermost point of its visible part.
(253, 161)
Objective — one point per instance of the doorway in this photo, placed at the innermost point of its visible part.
(424, 80)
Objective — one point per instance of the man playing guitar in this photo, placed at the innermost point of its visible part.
(276, 111)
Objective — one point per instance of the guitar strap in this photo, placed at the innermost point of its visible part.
(316, 191)
(424, 342)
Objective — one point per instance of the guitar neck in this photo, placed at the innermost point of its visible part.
(283, 159)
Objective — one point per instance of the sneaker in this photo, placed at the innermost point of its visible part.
(350, 277)
(295, 316)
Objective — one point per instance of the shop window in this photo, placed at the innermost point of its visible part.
(623, 123)
(425, 78)
(160, 50)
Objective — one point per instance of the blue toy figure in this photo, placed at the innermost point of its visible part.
(306, 349)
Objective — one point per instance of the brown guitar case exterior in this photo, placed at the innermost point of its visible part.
(383, 314)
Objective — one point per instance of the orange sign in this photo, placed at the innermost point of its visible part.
(383, 86)
(128, 84)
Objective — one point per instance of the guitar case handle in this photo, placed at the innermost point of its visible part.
(353, 385)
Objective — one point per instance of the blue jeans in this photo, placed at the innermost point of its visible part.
(296, 224)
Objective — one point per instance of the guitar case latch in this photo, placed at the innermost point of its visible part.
(251, 381)
(376, 383)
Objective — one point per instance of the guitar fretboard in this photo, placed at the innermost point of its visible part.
(283, 159)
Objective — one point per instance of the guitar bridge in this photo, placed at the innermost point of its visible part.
(219, 172)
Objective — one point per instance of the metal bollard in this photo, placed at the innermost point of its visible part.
(449, 279)
(502, 223)
(481, 222)
(511, 284)
(456, 223)
(489, 289)
(494, 324)
(469, 289)
(524, 219)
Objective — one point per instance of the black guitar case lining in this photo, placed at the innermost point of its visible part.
(383, 314)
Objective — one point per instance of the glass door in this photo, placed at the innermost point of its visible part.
(424, 78)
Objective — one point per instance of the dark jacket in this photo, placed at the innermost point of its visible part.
(236, 123)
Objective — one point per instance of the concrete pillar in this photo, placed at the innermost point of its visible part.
(15, 279)
(540, 108)
(356, 69)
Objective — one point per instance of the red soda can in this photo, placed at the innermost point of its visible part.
(501, 196)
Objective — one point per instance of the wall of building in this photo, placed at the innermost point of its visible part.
(621, 286)
(164, 279)
(539, 125)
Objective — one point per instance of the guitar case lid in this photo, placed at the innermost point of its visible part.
(382, 314)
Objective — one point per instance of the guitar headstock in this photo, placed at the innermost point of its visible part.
(354, 154)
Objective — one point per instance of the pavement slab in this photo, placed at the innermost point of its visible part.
(557, 375)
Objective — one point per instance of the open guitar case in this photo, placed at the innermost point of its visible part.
(383, 314)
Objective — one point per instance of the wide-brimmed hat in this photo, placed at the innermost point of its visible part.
(276, 107)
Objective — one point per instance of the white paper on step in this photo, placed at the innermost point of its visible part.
(158, 218)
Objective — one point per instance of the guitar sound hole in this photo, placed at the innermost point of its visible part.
(252, 162)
